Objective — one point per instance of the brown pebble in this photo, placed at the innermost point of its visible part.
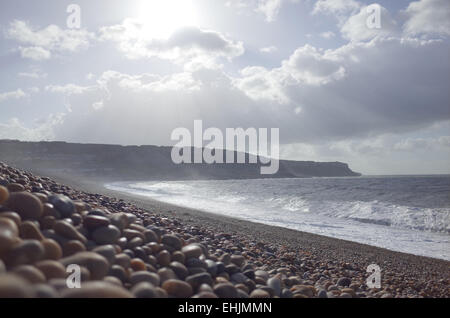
(8, 234)
(15, 187)
(13, 286)
(92, 222)
(26, 205)
(137, 264)
(4, 194)
(24, 252)
(95, 263)
(67, 230)
(163, 258)
(52, 249)
(73, 247)
(177, 288)
(30, 273)
(29, 230)
(97, 290)
(51, 269)
(259, 293)
(13, 216)
(49, 210)
(191, 250)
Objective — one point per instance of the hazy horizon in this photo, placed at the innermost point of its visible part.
(375, 98)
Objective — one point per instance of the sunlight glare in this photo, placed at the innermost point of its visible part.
(162, 17)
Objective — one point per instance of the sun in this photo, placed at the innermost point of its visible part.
(162, 17)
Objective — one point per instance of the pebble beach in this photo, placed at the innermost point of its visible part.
(127, 247)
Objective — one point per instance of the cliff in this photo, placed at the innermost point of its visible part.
(114, 162)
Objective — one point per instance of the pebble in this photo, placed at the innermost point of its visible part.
(13, 286)
(92, 222)
(52, 250)
(26, 205)
(259, 293)
(177, 288)
(344, 281)
(275, 284)
(25, 252)
(51, 269)
(107, 251)
(97, 265)
(67, 230)
(192, 251)
(29, 230)
(225, 290)
(198, 279)
(97, 289)
(144, 290)
(239, 278)
(4, 194)
(163, 258)
(31, 273)
(63, 204)
(171, 240)
(15, 187)
(179, 269)
(106, 235)
(238, 260)
(144, 276)
(44, 291)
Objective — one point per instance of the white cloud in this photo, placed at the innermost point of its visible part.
(42, 42)
(309, 65)
(356, 27)
(270, 8)
(42, 129)
(428, 16)
(68, 89)
(35, 53)
(17, 94)
(328, 35)
(336, 7)
(261, 84)
(34, 74)
(269, 49)
(188, 45)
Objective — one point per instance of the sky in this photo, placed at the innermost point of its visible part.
(339, 83)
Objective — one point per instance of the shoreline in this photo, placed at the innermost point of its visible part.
(323, 247)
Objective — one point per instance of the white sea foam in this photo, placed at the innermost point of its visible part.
(407, 214)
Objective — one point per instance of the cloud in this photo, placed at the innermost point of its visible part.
(42, 42)
(356, 28)
(43, 129)
(34, 74)
(328, 35)
(35, 53)
(269, 8)
(17, 94)
(430, 143)
(336, 7)
(68, 89)
(269, 49)
(428, 16)
(309, 65)
(188, 45)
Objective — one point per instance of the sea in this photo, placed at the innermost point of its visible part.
(408, 214)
